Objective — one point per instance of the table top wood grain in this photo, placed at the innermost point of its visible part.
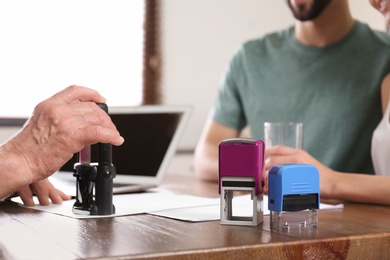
(358, 231)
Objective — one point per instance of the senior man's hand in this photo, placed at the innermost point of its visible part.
(59, 127)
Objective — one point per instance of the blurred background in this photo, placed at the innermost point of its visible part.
(178, 50)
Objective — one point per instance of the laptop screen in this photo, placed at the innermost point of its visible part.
(149, 133)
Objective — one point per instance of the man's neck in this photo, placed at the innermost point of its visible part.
(331, 26)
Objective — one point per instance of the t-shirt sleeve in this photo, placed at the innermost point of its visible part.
(227, 109)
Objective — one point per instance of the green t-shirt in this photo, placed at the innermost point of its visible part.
(334, 91)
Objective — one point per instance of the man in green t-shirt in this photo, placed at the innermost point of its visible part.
(325, 71)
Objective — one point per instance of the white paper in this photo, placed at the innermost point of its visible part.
(135, 203)
(168, 204)
(242, 207)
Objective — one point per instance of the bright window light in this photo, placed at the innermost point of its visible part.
(47, 45)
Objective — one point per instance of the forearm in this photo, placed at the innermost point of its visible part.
(206, 152)
(362, 188)
(13, 172)
(206, 163)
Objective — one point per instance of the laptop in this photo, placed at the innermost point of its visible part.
(152, 134)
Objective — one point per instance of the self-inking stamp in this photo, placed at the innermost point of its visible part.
(293, 196)
(95, 176)
(241, 166)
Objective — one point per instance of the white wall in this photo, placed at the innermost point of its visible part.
(7, 132)
(199, 36)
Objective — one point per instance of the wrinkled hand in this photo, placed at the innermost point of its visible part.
(59, 127)
(287, 155)
(44, 191)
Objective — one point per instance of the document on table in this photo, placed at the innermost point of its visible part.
(242, 207)
(134, 203)
(167, 204)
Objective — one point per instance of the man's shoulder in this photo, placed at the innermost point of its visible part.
(382, 37)
(377, 36)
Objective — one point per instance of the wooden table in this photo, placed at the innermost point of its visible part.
(356, 232)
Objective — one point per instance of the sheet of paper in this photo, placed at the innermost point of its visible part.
(168, 204)
(242, 207)
(136, 203)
